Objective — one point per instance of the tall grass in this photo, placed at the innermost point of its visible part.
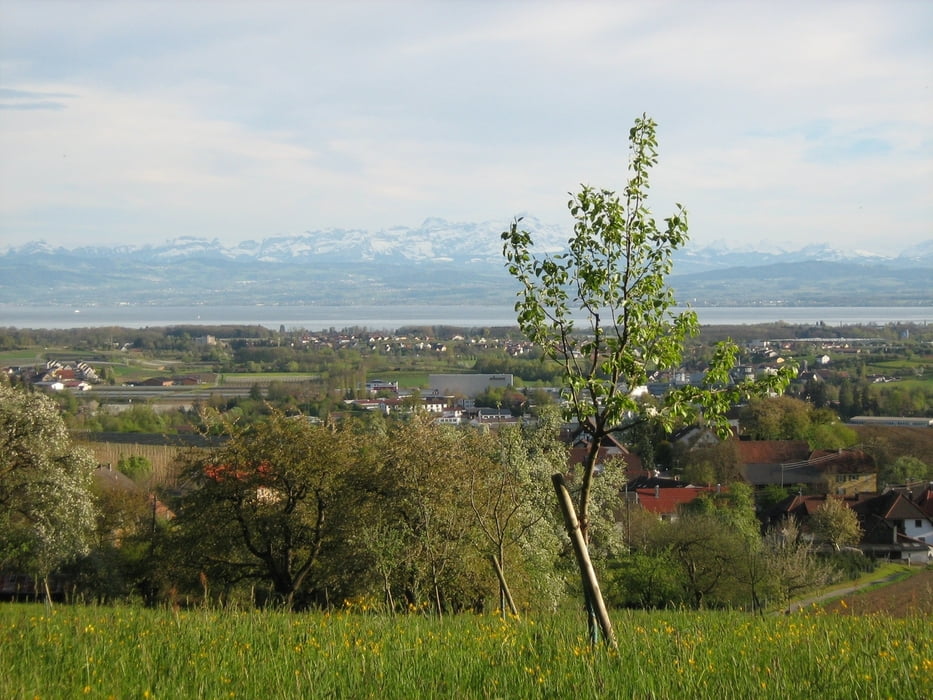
(136, 653)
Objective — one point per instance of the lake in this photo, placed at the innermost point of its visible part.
(316, 318)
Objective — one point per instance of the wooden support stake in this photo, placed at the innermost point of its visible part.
(593, 596)
(503, 586)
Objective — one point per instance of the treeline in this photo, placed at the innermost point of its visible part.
(107, 338)
(530, 368)
(853, 393)
(397, 514)
(406, 515)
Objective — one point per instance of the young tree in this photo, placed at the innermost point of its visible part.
(836, 523)
(136, 467)
(421, 483)
(614, 276)
(792, 564)
(46, 503)
(508, 497)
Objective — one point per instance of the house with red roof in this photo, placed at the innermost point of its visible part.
(666, 502)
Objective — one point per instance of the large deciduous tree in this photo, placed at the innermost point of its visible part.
(46, 502)
(262, 506)
(613, 277)
(909, 470)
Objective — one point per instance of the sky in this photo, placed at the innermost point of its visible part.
(780, 124)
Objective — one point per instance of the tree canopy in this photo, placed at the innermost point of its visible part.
(46, 503)
(836, 523)
(264, 504)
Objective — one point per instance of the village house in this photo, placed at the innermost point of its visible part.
(450, 416)
(57, 376)
(609, 449)
(895, 524)
(492, 417)
(389, 404)
(377, 386)
(665, 498)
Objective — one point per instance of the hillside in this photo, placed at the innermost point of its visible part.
(910, 597)
(896, 441)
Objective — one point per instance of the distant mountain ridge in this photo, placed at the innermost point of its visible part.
(435, 240)
(442, 241)
(449, 262)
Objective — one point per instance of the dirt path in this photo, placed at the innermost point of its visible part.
(837, 593)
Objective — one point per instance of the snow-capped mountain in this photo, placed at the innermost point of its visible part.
(718, 256)
(437, 240)
(444, 261)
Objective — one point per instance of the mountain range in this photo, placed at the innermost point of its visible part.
(446, 263)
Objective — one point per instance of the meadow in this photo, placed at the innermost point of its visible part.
(130, 652)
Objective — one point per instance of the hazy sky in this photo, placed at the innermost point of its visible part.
(780, 123)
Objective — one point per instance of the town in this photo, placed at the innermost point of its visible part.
(853, 428)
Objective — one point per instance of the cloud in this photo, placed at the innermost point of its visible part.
(32, 105)
(28, 100)
(787, 122)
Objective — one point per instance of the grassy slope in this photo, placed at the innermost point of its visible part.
(133, 652)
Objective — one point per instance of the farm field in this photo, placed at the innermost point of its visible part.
(162, 458)
(907, 597)
(264, 378)
(132, 652)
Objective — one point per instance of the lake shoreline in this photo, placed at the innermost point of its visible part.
(313, 317)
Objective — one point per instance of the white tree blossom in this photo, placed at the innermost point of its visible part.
(46, 503)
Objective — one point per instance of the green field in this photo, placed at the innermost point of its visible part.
(406, 379)
(265, 378)
(130, 652)
(21, 357)
(901, 364)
